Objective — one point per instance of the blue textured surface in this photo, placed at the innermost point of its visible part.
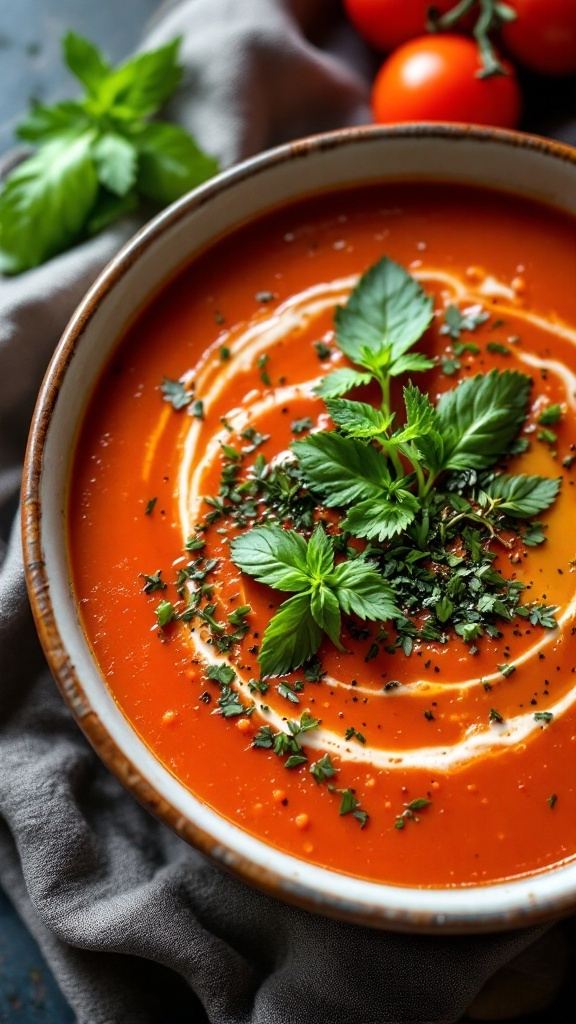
(28, 993)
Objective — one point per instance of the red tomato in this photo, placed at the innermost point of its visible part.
(543, 37)
(388, 23)
(434, 78)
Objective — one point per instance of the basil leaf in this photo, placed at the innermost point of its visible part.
(362, 591)
(319, 554)
(386, 314)
(291, 637)
(140, 86)
(45, 202)
(274, 556)
(341, 381)
(42, 123)
(341, 470)
(480, 418)
(358, 419)
(523, 496)
(382, 518)
(170, 162)
(85, 61)
(116, 160)
(326, 612)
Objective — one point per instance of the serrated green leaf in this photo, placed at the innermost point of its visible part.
(319, 554)
(85, 61)
(115, 159)
(43, 123)
(46, 201)
(480, 417)
(420, 415)
(340, 382)
(358, 419)
(386, 314)
(413, 362)
(382, 518)
(522, 497)
(326, 612)
(170, 163)
(361, 591)
(291, 637)
(341, 470)
(140, 86)
(274, 556)
(430, 448)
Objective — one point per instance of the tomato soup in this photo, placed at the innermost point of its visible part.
(434, 746)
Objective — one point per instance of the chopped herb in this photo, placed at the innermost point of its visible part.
(224, 353)
(300, 426)
(264, 297)
(547, 436)
(323, 769)
(543, 716)
(222, 674)
(350, 805)
(295, 760)
(450, 366)
(410, 811)
(150, 506)
(455, 321)
(506, 669)
(552, 800)
(152, 583)
(322, 351)
(198, 409)
(495, 715)
(353, 733)
(165, 613)
(286, 691)
(497, 348)
(550, 415)
(175, 392)
(194, 544)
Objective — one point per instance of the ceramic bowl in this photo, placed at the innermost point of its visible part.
(520, 164)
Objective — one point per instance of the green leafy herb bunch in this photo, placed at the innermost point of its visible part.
(98, 157)
(427, 499)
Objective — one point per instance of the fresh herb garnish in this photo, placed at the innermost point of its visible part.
(410, 811)
(98, 157)
(322, 591)
(456, 321)
(175, 392)
(424, 493)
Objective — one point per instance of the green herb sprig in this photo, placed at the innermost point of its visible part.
(425, 494)
(321, 590)
(98, 157)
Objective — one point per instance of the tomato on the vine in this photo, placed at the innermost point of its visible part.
(435, 78)
(543, 36)
(385, 24)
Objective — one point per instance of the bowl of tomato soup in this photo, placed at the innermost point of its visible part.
(297, 511)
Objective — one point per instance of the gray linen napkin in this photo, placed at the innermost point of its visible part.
(139, 928)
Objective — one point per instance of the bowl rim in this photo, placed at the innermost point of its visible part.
(519, 912)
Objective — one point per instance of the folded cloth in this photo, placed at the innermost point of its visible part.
(139, 928)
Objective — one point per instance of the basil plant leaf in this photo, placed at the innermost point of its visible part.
(291, 637)
(274, 556)
(386, 314)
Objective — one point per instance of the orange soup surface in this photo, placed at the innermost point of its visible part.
(434, 750)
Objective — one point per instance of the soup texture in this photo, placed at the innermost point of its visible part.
(321, 532)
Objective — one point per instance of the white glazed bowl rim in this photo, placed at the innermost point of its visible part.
(459, 150)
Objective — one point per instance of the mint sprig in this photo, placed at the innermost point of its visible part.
(322, 591)
(98, 157)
